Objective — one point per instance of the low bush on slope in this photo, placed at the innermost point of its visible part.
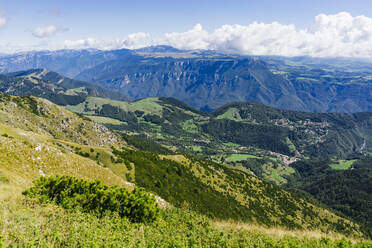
(93, 196)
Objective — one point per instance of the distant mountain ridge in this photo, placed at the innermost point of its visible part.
(67, 62)
(53, 86)
(203, 83)
(209, 79)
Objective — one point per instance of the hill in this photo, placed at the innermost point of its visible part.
(346, 187)
(204, 187)
(45, 118)
(250, 134)
(52, 86)
(70, 86)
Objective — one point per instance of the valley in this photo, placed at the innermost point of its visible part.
(186, 124)
(243, 164)
(31, 152)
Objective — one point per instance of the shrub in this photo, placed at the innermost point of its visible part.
(94, 197)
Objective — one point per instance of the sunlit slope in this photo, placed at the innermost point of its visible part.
(45, 118)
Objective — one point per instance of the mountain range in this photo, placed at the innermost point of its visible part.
(280, 146)
(207, 79)
(198, 130)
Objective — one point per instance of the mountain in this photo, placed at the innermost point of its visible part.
(53, 86)
(327, 81)
(247, 125)
(208, 79)
(205, 83)
(66, 62)
(159, 49)
(230, 134)
(40, 138)
(208, 82)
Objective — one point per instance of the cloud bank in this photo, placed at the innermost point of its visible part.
(44, 32)
(330, 35)
(133, 41)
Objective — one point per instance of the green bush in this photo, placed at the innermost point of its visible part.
(94, 197)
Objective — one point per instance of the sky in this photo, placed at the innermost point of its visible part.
(326, 28)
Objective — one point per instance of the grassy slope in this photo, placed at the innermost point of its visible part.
(45, 118)
(27, 225)
(26, 155)
(342, 164)
(38, 137)
(224, 193)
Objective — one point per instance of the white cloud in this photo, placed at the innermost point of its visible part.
(330, 35)
(2, 21)
(44, 32)
(133, 41)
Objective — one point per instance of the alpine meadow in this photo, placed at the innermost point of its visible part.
(251, 129)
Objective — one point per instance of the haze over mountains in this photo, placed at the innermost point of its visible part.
(208, 80)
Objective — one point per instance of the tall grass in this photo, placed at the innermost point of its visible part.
(28, 224)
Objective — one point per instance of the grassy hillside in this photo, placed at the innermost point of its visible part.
(52, 86)
(202, 186)
(28, 225)
(183, 181)
(224, 193)
(26, 156)
(45, 118)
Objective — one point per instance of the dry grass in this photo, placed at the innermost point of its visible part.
(277, 232)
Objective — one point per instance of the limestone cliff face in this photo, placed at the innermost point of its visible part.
(203, 83)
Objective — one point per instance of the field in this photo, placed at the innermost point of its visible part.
(240, 157)
(342, 164)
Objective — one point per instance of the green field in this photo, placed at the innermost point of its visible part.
(105, 120)
(231, 114)
(240, 157)
(342, 164)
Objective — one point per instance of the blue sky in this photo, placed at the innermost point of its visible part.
(47, 24)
